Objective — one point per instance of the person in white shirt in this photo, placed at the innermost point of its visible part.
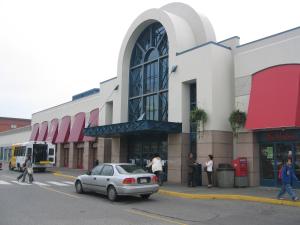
(156, 166)
(209, 170)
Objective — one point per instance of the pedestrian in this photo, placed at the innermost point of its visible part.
(191, 170)
(156, 166)
(29, 169)
(209, 170)
(24, 172)
(287, 177)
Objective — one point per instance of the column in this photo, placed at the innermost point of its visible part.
(72, 155)
(86, 155)
(247, 146)
(178, 149)
(59, 155)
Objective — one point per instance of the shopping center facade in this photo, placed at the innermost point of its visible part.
(169, 63)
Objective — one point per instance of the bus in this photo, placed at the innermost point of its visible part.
(42, 155)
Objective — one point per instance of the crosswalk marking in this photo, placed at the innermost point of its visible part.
(44, 183)
(57, 183)
(41, 184)
(69, 182)
(4, 182)
(20, 183)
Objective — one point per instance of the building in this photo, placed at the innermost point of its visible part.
(7, 123)
(170, 62)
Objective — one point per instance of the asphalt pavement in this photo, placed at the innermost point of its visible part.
(52, 200)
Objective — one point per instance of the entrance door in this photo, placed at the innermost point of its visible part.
(272, 159)
(267, 165)
(80, 158)
(297, 164)
(66, 157)
(141, 150)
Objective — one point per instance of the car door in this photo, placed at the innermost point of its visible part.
(89, 180)
(104, 178)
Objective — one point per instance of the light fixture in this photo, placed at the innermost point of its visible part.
(173, 69)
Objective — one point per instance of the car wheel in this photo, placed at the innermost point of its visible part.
(78, 187)
(112, 193)
(145, 196)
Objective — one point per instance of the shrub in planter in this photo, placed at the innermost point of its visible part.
(237, 120)
(199, 116)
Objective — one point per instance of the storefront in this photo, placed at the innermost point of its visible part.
(275, 148)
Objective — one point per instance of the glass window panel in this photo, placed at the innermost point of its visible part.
(158, 31)
(151, 77)
(164, 73)
(135, 109)
(135, 82)
(163, 102)
(151, 55)
(163, 47)
(137, 56)
(145, 39)
(151, 107)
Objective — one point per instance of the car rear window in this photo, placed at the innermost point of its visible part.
(125, 169)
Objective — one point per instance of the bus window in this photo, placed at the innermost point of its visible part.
(29, 151)
(51, 151)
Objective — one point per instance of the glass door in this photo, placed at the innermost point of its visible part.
(282, 152)
(297, 164)
(267, 165)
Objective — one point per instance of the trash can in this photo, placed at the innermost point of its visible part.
(196, 175)
(225, 175)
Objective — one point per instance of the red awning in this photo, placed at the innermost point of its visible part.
(76, 134)
(52, 134)
(43, 131)
(34, 132)
(93, 122)
(275, 98)
(64, 130)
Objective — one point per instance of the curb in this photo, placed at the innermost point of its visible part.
(247, 198)
(230, 197)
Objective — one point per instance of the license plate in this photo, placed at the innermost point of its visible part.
(143, 180)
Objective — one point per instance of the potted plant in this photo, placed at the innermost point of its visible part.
(237, 120)
(199, 116)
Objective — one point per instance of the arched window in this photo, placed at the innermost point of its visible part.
(148, 75)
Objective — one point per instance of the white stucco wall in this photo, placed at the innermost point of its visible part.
(283, 48)
(185, 29)
(211, 67)
(14, 136)
(71, 108)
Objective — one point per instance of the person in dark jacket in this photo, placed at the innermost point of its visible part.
(287, 177)
(191, 168)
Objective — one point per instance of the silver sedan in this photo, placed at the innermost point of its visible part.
(114, 179)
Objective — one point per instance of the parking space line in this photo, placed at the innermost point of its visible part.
(153, 216)
(60, 192)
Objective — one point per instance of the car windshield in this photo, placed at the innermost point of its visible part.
(125, 169)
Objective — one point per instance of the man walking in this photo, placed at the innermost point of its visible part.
(287, 176)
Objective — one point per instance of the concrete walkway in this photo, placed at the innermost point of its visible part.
(253, 194)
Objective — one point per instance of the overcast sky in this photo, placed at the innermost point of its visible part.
(52, 50)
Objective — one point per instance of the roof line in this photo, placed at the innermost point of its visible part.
(202, 45)
(108, 80)
(271, 36)
(229, 39)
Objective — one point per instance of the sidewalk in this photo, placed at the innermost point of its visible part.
(253, 194)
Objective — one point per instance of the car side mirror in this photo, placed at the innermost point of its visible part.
(89, 173)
